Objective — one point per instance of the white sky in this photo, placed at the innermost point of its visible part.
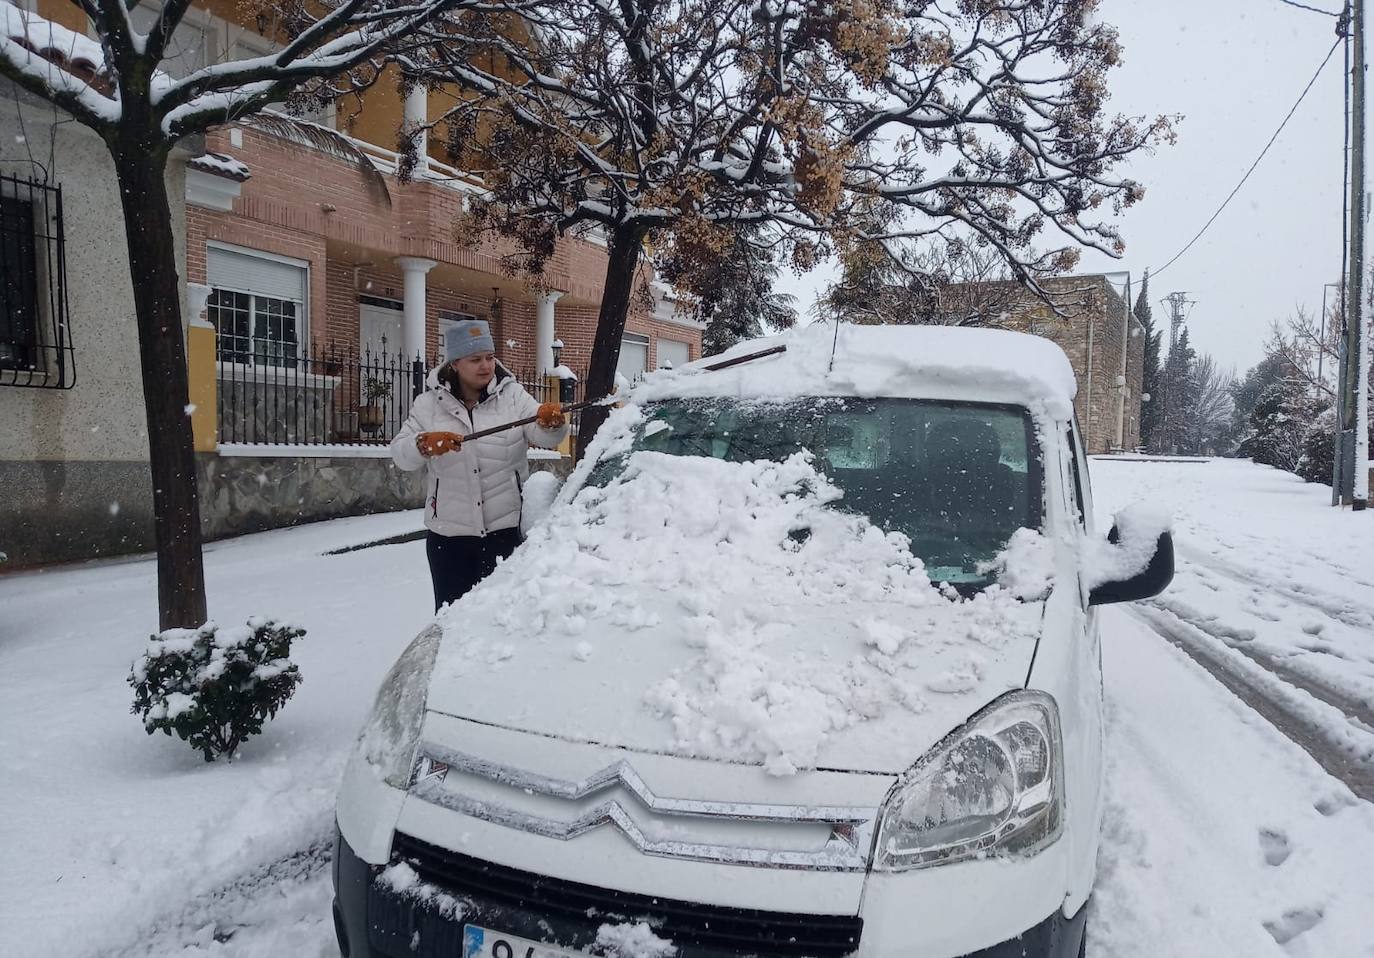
(1233, 68)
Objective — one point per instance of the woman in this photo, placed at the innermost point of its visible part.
(475, 489)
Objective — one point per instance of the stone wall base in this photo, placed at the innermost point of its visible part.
(242, 494)
(57, 511)
(68, 511)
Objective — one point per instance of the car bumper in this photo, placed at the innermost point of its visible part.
(374, 921)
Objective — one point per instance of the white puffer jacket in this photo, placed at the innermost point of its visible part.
(479, 488)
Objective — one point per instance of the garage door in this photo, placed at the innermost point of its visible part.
(634, 356)
(673, 353)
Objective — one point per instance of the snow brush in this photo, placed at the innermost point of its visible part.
(574, 407)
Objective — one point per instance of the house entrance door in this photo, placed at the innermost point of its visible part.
(384, 387)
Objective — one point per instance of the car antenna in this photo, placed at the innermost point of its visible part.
(833, 344)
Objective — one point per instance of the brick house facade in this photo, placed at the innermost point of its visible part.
(316, 210)
(283, 246)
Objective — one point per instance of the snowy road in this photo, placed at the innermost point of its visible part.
(1230, 831)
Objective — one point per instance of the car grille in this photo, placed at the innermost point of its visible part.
(740, 930)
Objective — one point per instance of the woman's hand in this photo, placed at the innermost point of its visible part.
(433, 444)
(550, 416)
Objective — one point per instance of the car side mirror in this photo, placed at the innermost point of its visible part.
(1149, 581)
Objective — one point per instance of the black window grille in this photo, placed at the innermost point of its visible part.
(35, 338)
(254, 329)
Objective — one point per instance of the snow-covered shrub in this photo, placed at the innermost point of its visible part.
(1279, 424)
(1318, 449)
(215, 687)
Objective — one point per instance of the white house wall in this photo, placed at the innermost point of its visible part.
(74, 477)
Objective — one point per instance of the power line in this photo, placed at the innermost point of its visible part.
(1303, 6)
(1310, 83)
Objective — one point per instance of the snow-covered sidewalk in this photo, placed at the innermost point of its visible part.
(108, 833)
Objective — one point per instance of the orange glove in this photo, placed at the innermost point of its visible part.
(438, 443)
(550, 415)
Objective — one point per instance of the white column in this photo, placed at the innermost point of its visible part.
(413, 325)
(416, 115)
(544, 333)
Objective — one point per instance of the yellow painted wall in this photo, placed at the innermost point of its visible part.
(65, 12)
(202, 391)
(375, 115)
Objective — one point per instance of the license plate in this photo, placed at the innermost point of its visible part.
(479, 942)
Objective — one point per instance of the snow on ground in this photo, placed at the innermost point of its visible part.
(1265, 562)
(1237, 837)
(1223, 838)
(1273, 583)
(108, 833)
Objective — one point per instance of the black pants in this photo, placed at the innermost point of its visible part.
(457, 563)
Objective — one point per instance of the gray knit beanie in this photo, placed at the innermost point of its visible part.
(467, 337)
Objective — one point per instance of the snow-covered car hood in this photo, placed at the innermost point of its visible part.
(677, 611)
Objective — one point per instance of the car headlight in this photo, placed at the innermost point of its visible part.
(392, 732)
(993, 786)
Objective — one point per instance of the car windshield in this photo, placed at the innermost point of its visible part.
(956, 478)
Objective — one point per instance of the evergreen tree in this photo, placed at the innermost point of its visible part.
(1246, 393)
(1180, 395)
(1151, 410)
(738, 301)
(1279, 425)
(1318, 449)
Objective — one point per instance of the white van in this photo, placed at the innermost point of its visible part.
(803, 661)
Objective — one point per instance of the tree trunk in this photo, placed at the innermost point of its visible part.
(140, 167)
(622, 258)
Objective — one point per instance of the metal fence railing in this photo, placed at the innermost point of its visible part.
(539, 388)
(283, 393)
(313, 395)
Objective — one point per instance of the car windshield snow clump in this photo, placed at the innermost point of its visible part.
(958, 479)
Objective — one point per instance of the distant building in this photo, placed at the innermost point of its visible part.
(1097, 330)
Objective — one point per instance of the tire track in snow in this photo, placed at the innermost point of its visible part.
(238, 908)
(1341, 609)
(1355, 709)
(1347, 754)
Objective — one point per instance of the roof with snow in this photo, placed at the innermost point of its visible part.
(221, 165)
(926, 362)
(66, 49)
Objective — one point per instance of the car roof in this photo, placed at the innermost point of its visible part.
(916, 362)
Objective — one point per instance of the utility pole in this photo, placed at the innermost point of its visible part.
(1178, 303)
(1177, 315)
(1351, 485)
